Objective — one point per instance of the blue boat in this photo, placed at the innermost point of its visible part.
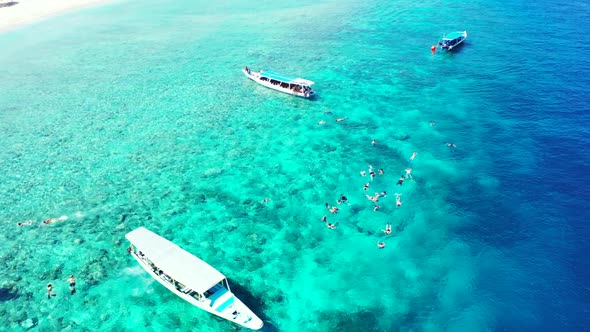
(452, 40)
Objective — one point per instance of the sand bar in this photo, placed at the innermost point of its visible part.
(17, 13)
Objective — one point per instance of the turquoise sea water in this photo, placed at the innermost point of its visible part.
(137, 114)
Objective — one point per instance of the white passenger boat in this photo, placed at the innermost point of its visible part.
(293, 86)
(189, 277)
(452, 40)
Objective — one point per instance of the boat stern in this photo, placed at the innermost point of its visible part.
(253, 323)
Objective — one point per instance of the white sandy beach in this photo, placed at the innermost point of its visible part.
(16, 13)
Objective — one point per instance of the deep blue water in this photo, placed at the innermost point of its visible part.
(133, 115)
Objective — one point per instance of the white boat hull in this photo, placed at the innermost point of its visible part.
(255, 76)
(459, 42)
(246, 317)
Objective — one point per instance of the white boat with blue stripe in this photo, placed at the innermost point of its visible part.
(452, 40)
(189, 277)
(291, 85)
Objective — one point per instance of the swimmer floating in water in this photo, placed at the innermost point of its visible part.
(409, 173)
(398, 200)
(332, 209)
(26, 223)
(372, 198)
(50, 292)
(54, 220)
(322, 122)
(72, 281)
(341, 119)
(343, 199)
(380, 244)
(413, 156)
(387, 229)
(450, 145)
(330, 225)
(401, 180)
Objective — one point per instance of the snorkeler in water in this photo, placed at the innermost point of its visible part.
(54, 220)
(409, 172)
(387, 229)
(398, 200)
(26, 223)
(401, 180)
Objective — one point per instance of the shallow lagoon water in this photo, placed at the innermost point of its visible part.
(131, 115)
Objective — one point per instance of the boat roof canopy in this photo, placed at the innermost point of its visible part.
(454, 35)
(283, 78)
(179, 264)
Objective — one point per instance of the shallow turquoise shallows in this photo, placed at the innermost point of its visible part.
(137, 114)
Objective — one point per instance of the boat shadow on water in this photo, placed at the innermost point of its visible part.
(254, 303)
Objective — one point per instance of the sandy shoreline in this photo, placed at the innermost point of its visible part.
(17, 13)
